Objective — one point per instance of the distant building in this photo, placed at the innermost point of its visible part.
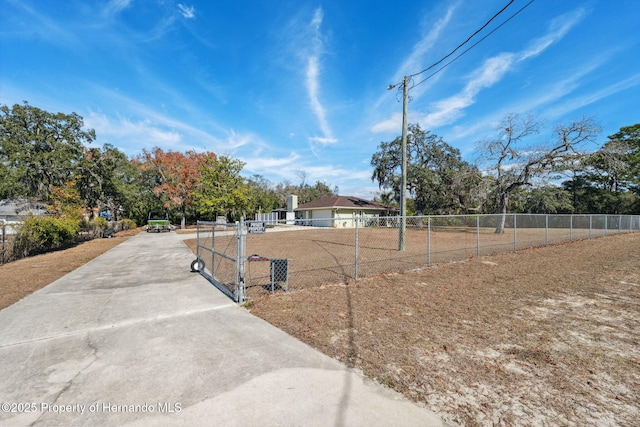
(341, 212)
(15, 210)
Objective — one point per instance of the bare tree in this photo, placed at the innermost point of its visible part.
(512, 165)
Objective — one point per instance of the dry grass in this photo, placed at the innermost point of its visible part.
(547, 336)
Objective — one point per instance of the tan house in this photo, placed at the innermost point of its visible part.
(341, 212)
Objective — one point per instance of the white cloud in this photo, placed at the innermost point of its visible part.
(546, 96)
(558, 28)
(493, 71)
(312, 80)
(449, 109)
(589, 98)
(322, 141)
(392, 124)
(415, 60)
(133, 135)
(271, 165)
(187, 11)
(247, 140)
(49, 30)
(115, 6)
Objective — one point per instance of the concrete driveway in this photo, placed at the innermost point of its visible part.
(134, 338)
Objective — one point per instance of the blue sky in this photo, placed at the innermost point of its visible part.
(298, 88)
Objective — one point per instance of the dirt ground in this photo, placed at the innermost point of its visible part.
(545, 336)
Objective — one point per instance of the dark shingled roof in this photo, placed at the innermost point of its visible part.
(348, 202)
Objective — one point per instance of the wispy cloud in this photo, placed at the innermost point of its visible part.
(144, 132)
(415, 60)
(492, 71)
(270, 164)
(312, 81)
(558, 28)
(114, 7)
(578, 102)
(48, 30)
(235, 140)
(449, 109)
(390, 124)
(187, 12)
(546, 96)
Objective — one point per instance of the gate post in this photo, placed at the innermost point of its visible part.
(240, 261)
(428, 241)
(4, 238)
(357, 248)
(478, 236)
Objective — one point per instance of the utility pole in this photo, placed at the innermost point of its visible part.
(403, 182)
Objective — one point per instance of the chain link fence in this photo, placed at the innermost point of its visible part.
(250, 259)
(328, 252)
(220, 256)
(8, 231)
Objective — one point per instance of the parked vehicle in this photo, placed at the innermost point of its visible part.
(158, 222)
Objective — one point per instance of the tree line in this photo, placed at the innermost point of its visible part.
(515, 171)
(49, 157)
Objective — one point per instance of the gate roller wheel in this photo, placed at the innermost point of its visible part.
(197, 265)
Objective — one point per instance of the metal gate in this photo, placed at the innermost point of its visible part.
(220, 256)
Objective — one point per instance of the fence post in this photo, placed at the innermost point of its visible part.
(240, 260)
(4, 239)
(546, 229)
(571, 228)
(478, 236)
(357, 254)
(515, 234)
(428, 241)
(590, 224)
(213, 246)
(619, 224)
(606, 220)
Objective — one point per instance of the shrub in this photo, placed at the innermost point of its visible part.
(100, 223)
(128, 224)
(42, 234)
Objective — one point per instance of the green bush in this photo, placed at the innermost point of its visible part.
(128, 224)
(100, 223)
(43, 234)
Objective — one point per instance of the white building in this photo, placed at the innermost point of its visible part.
(341, 212)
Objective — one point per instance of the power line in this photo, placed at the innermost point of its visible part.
(470, 47)
(464, 42)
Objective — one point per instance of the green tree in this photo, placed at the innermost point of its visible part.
(39, 150)
(439, 181)
(222, 191)
(610, 167)
(606, 181)
(546, 199)
(513, 166)
(103, 177)
(263, 197)
(137, 184)
(629, 138)
(305, 192)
